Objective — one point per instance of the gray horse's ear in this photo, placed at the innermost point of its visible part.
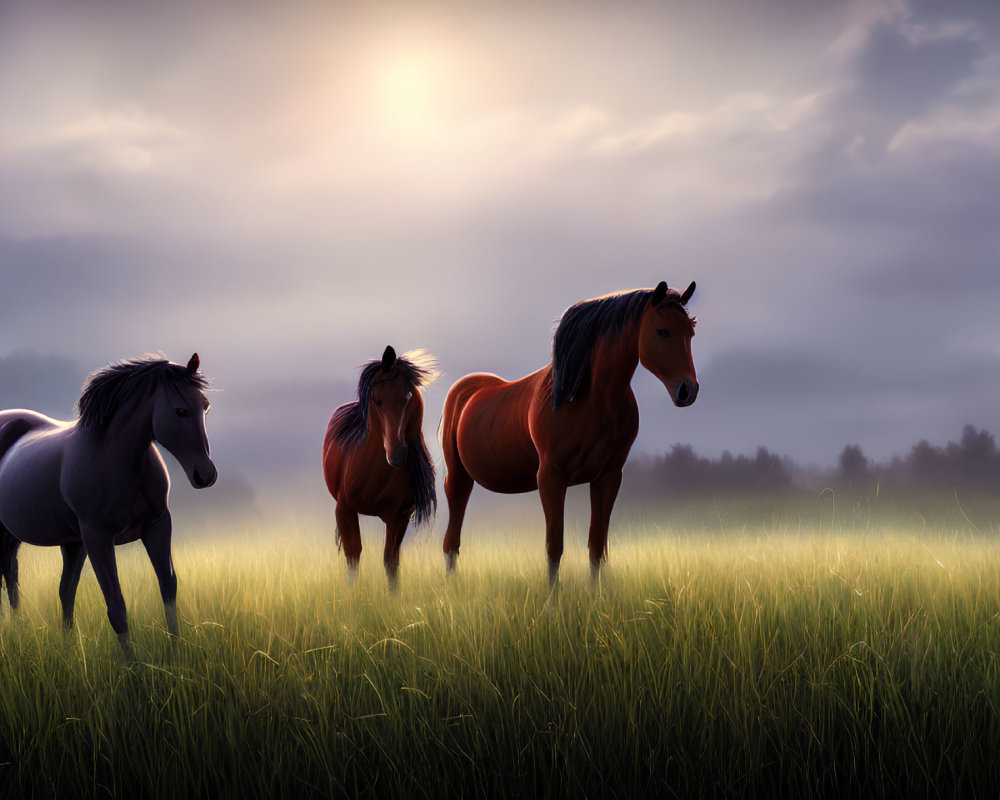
(687, 294)
(659, 293)
(388, 357)
(193, 364)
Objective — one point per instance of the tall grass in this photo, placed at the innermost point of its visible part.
(778, 661)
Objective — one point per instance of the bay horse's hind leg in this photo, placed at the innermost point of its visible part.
(73, 556)
(458, 486)
(458, 482)
(349, 530)
(156, 540)
(8, 565)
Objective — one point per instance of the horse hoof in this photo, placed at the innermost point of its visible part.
(127, 652)
(449, 561)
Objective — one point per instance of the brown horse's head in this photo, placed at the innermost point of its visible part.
(393, 401)
(665, 332)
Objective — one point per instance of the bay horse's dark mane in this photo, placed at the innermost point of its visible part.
(108, 389)
(349, 427)
(579, 330)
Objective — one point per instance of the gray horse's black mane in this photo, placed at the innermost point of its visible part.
(349, 427)
(581, 327)
(108, 389)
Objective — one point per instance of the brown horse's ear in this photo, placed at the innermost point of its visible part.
(388, 357)
(659, 293)
(687, 294)
(193, 364)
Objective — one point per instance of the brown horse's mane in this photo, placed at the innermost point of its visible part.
(349, 426)
(579, 330)
(108, 389)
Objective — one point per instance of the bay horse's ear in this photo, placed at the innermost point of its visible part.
(193, 364)
(388, 357)
(687, 294)
(659, 293)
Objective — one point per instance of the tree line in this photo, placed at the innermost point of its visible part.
(970, 463)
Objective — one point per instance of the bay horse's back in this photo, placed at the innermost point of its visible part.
(484, 429)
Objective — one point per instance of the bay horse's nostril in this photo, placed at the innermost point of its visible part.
(398, 459)
(687, 392)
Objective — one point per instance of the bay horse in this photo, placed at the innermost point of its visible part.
(571, 422)
(375, 460)
(99, 481)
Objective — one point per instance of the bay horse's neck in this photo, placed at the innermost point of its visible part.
(613, 365)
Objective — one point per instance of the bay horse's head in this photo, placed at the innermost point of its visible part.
(665, 332)
(179, 422)
(394, 400)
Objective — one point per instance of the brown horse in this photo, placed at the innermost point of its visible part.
(572, 421)
(375, 460)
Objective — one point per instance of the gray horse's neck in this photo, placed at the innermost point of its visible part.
(130, 433)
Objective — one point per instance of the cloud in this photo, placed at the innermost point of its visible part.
(46, 383)
(288, 190)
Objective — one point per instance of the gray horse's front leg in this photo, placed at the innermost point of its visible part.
(101, 551)
(157, 542)
(74, 555)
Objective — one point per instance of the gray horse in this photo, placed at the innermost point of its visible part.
(99, 481)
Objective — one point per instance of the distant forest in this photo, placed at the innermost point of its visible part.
(971, 464)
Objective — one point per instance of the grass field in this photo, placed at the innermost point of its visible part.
(777, 660)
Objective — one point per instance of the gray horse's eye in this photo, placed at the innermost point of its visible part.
(182, 412)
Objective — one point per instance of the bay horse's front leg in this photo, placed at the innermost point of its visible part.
(156, 540)
(395, 529)
(73, 556)
(101, 551)
(349, 530)
(552, 490)
(603, 493)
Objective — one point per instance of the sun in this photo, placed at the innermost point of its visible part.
(413, 90)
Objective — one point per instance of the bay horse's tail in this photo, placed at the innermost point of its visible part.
(454, 403)
(458, 482)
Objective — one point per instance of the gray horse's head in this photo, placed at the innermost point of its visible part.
(179, 412)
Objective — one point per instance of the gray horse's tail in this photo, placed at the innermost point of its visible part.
(10, 432)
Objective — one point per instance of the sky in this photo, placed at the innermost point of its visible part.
(286, 188)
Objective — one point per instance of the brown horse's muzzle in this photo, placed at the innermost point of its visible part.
(684, 393)
(398, 459)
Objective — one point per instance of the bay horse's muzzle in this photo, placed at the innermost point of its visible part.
(686, 393)
(398, 459)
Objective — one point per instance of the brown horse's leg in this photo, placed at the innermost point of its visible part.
(457, 487)
(73, 556)
(395, 529)
(603, 492)
(349, 529)
(156, 540)
(552, 490)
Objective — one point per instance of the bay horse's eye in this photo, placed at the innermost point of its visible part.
(377, 402)
(182, 412)
(663, 333)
